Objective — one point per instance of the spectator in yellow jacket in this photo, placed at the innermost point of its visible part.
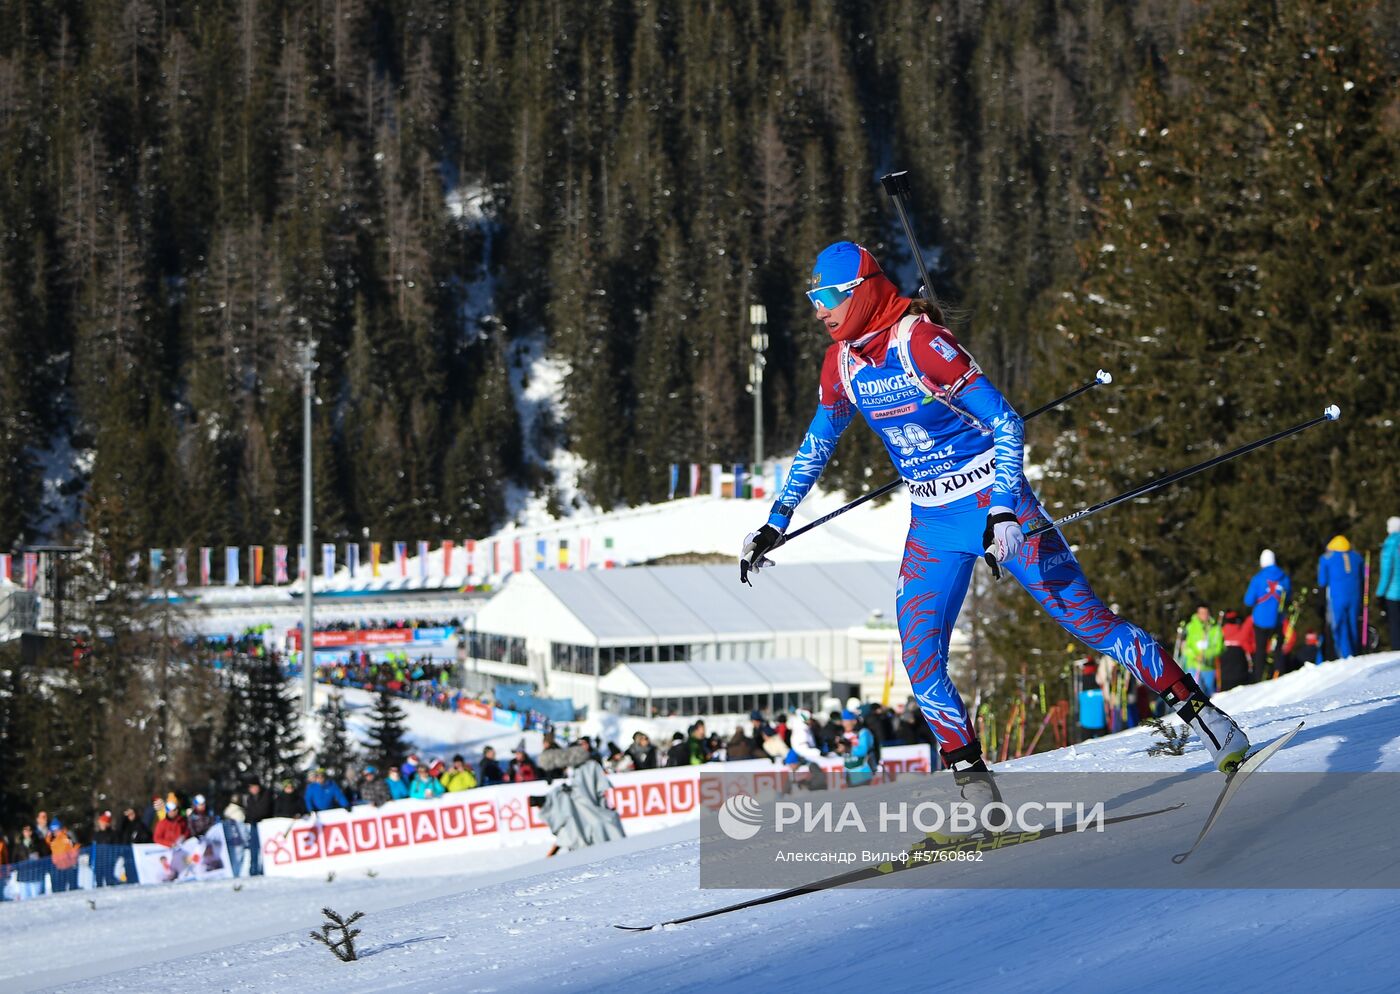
(459, 777)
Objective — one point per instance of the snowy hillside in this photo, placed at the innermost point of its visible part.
(545, 925)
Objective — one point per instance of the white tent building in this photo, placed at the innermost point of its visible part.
(659, 638)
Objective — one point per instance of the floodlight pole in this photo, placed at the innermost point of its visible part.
(308, 618)
(758, 317)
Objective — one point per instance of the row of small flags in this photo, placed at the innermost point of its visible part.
(686, 479)
(471, 561)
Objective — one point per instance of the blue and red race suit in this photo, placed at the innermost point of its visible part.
(957, 443)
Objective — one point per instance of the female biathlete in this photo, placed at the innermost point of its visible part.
(957, 444)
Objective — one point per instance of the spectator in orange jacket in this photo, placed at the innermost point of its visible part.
(172, 829)
(63, 850)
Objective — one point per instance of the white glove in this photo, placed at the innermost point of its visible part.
(1002, 538)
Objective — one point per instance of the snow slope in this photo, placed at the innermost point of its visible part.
(433, 732)
(544, 926)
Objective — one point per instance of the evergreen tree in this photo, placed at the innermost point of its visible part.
(233, 752)
(388, 746)
(1243, 274)
(275, 749)
(336, 753)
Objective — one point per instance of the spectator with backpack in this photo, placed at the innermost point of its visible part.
(1268, 591)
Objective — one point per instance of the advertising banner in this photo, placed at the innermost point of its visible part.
(203, 858)
(495, 817)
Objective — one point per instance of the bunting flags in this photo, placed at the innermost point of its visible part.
(279, 564)
(157, 560)
(583, 552)
(374, 552)
(256, 564)
(182, 567)
(31, 570)
(518, 564)
(352, 558)
(738, 481)
(495, 558)
(303, 564)
(205, 566)
(607, 554)
(328, 560)
(675, 479)
(231, 556)
(447, 556)
(7, 566)
(563, 553)
(401, 557)
(716, 480)
(422, 560)
(695, 479)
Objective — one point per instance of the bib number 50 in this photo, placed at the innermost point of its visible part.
(909, 438)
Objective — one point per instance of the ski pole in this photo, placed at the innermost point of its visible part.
(1366, 602)
(1332, 413)
(1101, 377)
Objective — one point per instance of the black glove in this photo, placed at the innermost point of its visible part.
(1002, 539)
(756, 548)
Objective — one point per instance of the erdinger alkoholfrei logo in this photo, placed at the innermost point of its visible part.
(740, 817)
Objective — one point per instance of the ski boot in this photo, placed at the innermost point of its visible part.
(1224, 740)
(975, 785)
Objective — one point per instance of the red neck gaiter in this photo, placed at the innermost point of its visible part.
(875, 306)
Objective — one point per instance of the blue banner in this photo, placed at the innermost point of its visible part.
(738, 481)
(434, 634)
(231, 565)
(352, 558)
(675, 479)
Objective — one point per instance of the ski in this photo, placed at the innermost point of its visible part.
(1001, 840)
(1234, 781)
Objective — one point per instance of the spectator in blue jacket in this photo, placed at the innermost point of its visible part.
(862, 759)
(425, 785)
(322, 794)
(1265, 598)
(1339, 577)
(398, 790)
(1388, 587)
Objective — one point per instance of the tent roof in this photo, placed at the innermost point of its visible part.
(650, 604)
(759, 676)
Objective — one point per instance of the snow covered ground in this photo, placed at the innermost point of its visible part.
(545, 925)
